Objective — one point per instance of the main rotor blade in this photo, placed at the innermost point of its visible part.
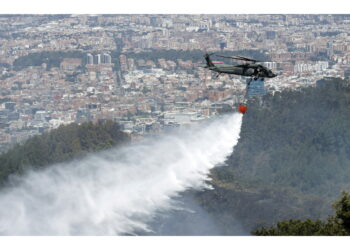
(240, 58)
(232, 57)
(248, 59)
(225, 56)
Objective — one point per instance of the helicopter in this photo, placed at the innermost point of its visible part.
(249, 69)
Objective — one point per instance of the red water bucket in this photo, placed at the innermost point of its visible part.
(242, 109)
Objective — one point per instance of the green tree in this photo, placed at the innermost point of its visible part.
(334, 225)
(64, 143)
(342, 211)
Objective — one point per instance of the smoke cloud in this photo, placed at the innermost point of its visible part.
(119, 191)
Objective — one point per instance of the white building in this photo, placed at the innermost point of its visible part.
(89, 59)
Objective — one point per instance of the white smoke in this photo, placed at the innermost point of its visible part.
(117, 191)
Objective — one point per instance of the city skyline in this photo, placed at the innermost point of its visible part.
(144, 72)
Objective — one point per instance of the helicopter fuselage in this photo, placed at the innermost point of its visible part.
(248, 70)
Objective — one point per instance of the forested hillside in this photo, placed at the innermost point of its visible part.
(61, 144)
(292, 160)
(336, 225)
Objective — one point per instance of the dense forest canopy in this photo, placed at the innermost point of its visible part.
(298, 139)
(291, 161)
(336, 225)
(61, 144)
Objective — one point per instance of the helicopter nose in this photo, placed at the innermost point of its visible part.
(273, 75)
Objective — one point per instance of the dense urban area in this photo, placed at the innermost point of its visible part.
(146, 71)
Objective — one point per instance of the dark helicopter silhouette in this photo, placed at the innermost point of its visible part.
(248, 69)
